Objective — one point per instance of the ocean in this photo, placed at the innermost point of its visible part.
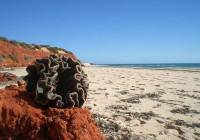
(158, 65)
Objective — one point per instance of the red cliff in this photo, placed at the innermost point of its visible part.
(17, 56)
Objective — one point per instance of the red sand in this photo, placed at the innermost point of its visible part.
(21, 118)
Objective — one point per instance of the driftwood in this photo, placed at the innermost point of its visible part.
(57, 81)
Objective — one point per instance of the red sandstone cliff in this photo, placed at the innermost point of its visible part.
(16, 56)
(21, 118)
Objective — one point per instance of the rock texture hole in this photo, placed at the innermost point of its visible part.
(57, 81)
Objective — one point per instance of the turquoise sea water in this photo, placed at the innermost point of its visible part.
(158, 65)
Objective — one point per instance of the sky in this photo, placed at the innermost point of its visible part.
(108, 31)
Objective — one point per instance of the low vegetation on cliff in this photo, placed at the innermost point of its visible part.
(14, 53)
(34, 46)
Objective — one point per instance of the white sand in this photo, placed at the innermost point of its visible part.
(152, 94)
(19, 71)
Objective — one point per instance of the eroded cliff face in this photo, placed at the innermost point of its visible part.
(21, 118)
(16, 56)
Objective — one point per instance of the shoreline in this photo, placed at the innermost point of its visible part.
(188, 69)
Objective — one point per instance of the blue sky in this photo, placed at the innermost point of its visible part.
(108, 31)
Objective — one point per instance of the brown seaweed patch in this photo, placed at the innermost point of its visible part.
(196, 91)
(171, 126)
(116, 107)
(182, 138)
(113, 130)
(141, 115)
(184, 111)
(182, 90)
(197, 134)
(191, 96)
(101, 88)
(144, 115)
(136, 98)
(180, 122)
(196, 125)
(152, 95)
(183, 123)
(104, 126)
(124, 92)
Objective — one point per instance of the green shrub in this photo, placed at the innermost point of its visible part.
(24, 45)
(68, 52)
(79, 60)
(37, 47)
(28, 46)
(65, 51)
(14, 42)
(2, 56)
(4, 39)
(27, 57)
(12, 57)
(53, 49)
(46, 46)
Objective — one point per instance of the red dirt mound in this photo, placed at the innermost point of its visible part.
(21, 118)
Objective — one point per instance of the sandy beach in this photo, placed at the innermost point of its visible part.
(150, 103)
(143, 103)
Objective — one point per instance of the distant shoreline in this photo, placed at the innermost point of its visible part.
(186, 69)
(156, 65)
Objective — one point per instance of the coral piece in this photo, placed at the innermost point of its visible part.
(57, 81)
